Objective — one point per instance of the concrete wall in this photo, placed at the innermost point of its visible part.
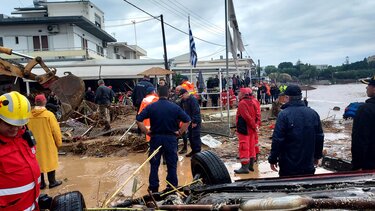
(85, 9)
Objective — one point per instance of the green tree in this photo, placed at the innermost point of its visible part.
(283, 65)
(270, 69)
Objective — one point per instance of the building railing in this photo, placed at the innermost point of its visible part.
(59, 54)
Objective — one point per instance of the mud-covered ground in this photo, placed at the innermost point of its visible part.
(337, 139)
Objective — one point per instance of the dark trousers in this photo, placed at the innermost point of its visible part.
(194, 135)
(169, 149)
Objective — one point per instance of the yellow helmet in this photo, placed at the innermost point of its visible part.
(14, 109)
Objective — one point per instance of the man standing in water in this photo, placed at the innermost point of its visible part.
(165, 117)
(363, 139)
(297, 141)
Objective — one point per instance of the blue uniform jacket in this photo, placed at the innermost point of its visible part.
(297, 139)
(191, 107)
(139, 92)
(103, 95)
(165, 117)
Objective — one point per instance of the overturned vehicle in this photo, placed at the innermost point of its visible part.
(212, 189)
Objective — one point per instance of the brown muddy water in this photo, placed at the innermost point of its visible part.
(98, 178)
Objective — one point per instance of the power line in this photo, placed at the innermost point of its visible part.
(128, 24)
(198, 17)
(125, 19)
(158, 18)
(214, 53)
(161, 4)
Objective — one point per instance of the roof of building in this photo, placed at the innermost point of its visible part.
(105, 68)
(80, 21)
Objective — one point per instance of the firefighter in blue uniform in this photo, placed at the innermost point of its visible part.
(165, 117)
(191, 107)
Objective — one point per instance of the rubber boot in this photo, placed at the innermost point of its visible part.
(107, 127)
(251, 164)
(184, 148)
(42, 182)
(243, 170)
(52, 179)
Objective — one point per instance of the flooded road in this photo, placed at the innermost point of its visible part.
(98, 178)
(324, 98)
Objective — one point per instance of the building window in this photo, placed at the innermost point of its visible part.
(40, 43)
(116, 49)
(98, 21)
(118, 56)
(1, 41)
(84, 44)
(100, 50)
(17, 40)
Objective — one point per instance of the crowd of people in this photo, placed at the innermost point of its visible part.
(30, 137)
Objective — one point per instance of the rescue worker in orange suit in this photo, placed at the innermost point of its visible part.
(47, 133)
(19, 169)
(191, 107)
(258, 121)
(186, 84)
(246, 129)
(165, 117)
(151, 97)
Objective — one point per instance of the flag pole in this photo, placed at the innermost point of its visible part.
(226, 61)
(191, 65)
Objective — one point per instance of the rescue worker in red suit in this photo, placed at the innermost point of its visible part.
(246, 130)
(258, 122)
(151, 97)
(19, 170)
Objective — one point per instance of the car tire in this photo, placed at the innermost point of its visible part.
(210, 168)
(71, 201)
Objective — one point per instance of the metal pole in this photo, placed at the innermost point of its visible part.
(28, 88)
(226, 60)
(135, 37)
(220, 90)
(164, 44)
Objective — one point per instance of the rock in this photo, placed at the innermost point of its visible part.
(336, 108)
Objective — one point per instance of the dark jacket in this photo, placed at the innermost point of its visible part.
(297, 139)
(191, 107)
(103, 95)
(363, 137)
(140, 91)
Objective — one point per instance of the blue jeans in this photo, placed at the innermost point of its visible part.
(169, 149)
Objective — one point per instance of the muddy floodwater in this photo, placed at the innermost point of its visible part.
(324, 98)
(98, 178)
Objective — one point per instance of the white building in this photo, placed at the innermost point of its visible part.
(49, 31)
(121, 50)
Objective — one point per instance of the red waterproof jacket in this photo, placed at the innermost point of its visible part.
(258, 118)
(248, 111)
(19, 174)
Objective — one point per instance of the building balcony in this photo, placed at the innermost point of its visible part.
(58, 54)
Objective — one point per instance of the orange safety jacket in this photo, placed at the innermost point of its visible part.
(189, 87)
(151, 98)
(19, 173)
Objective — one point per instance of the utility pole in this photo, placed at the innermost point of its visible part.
(258, 70)
(164, 44)
(135, 37)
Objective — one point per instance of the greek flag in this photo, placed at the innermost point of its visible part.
(193, 52)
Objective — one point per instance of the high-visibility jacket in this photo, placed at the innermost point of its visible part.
(189, 87)
(151, 98)
(19, 174)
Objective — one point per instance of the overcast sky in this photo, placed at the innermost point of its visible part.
(274, 31)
